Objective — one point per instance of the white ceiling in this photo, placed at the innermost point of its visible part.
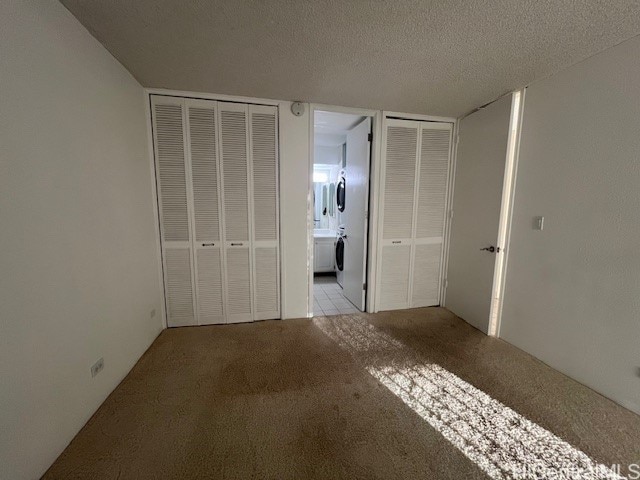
(334, 122)
(441, 57)
(331, 128)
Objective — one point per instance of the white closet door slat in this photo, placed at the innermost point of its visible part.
(238, 284)
(266, 284)
(264, 157)
(178, 289)
(426, 275)
(233, 138)
(400, 173)
(394, 278)
(204, 170)
(210, 296)
(173, 202)
(433, 179)
(169, 136)
(203, 160)
(263, 134)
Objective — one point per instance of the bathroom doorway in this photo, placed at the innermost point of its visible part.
(341, 185)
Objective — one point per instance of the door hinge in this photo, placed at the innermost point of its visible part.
(450, 213)
(370, 137)
(364, 286)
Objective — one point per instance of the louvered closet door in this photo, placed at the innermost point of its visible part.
(263, 135)
(203, 160)
(433, 178)
(401, 154)
(235, 176)
(173, 201)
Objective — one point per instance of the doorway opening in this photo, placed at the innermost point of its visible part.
(341, 177)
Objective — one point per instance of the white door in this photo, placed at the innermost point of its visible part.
(356, 212)
(263, 136)
(398, 196)
(174, 208)
(208, 252)
(234, 153)
(430, 211)
(480, 164)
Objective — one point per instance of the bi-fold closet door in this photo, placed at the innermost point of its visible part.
(217, 170)
(415, 178)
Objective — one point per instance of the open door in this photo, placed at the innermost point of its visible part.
(480, 172)
(356, 212)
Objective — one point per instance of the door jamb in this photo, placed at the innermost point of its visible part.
(506, 211)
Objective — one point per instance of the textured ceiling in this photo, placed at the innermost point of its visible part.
(441, 57)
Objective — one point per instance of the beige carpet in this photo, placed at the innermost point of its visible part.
(299, 399)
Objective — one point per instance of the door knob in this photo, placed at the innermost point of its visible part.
(490, 249)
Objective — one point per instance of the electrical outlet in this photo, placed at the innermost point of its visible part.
(97, 367)
(152, 313)
(538, 223)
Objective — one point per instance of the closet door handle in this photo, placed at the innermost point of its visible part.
(208, 244)
(237, 244)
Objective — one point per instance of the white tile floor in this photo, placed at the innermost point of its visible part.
(328, 298)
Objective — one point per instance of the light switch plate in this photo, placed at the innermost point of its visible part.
(538, 223)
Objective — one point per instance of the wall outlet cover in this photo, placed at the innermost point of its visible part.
(97, 367)
(538, 223)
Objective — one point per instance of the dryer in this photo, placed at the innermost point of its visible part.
(340, 255)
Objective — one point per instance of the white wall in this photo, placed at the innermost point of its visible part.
(325, 155)
(295, 177)
(572, 294)
(79, 272)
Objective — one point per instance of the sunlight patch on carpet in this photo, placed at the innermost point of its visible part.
(503, 443)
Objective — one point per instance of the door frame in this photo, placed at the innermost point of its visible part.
(506, 211)
(147, 94)
(372, 224)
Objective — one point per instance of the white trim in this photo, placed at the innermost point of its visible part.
(449, 212)
(310, 214)
(281, 233)
(211, 96)
(506, 212)
(372, 223)
(417, 116)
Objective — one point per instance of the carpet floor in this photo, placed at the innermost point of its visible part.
(394, 395)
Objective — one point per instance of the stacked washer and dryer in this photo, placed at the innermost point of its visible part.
(340, 235)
